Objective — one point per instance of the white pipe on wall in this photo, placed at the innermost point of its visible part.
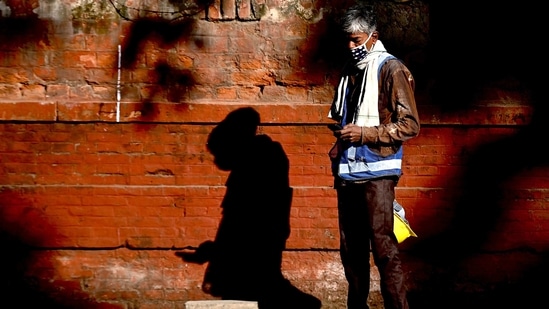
(118, 85)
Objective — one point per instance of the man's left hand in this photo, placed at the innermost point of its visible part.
(351, 133)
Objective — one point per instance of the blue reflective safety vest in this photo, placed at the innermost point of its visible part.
(358, 162)
(361, 163)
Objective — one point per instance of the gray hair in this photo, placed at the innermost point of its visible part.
(359, 18)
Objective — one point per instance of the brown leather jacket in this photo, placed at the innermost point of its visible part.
(399, 120)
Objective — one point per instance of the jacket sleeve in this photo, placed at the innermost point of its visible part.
(399, 120)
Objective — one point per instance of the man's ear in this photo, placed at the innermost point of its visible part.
(375, 35)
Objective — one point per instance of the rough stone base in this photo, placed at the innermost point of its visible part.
(220, 304)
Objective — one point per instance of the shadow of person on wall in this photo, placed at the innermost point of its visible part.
(246, 255)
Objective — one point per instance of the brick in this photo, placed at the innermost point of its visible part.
(28, 110)
(214, 10)
(13, 76)
(100, 75)
(59, 92)
(11, 92)
(228, 9)
(244, 10)
(46, 73)
(33, 92)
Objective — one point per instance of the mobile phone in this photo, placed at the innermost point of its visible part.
(335, 126)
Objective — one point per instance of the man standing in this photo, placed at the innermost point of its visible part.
(375, 109)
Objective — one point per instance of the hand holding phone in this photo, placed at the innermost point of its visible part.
(335, 126)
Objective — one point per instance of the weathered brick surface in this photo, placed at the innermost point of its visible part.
(97, 194)
(108, 175)
(163, 279)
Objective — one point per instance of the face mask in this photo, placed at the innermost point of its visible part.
(358, 53)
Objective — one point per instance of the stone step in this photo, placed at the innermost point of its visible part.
(220, 304)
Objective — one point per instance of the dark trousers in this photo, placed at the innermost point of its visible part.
(366, 221)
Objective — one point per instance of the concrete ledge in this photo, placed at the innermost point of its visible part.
(220, 304)
(215, 111)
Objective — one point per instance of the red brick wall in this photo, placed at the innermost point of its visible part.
(97, 195)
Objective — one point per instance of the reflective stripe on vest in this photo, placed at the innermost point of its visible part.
(359, 163)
